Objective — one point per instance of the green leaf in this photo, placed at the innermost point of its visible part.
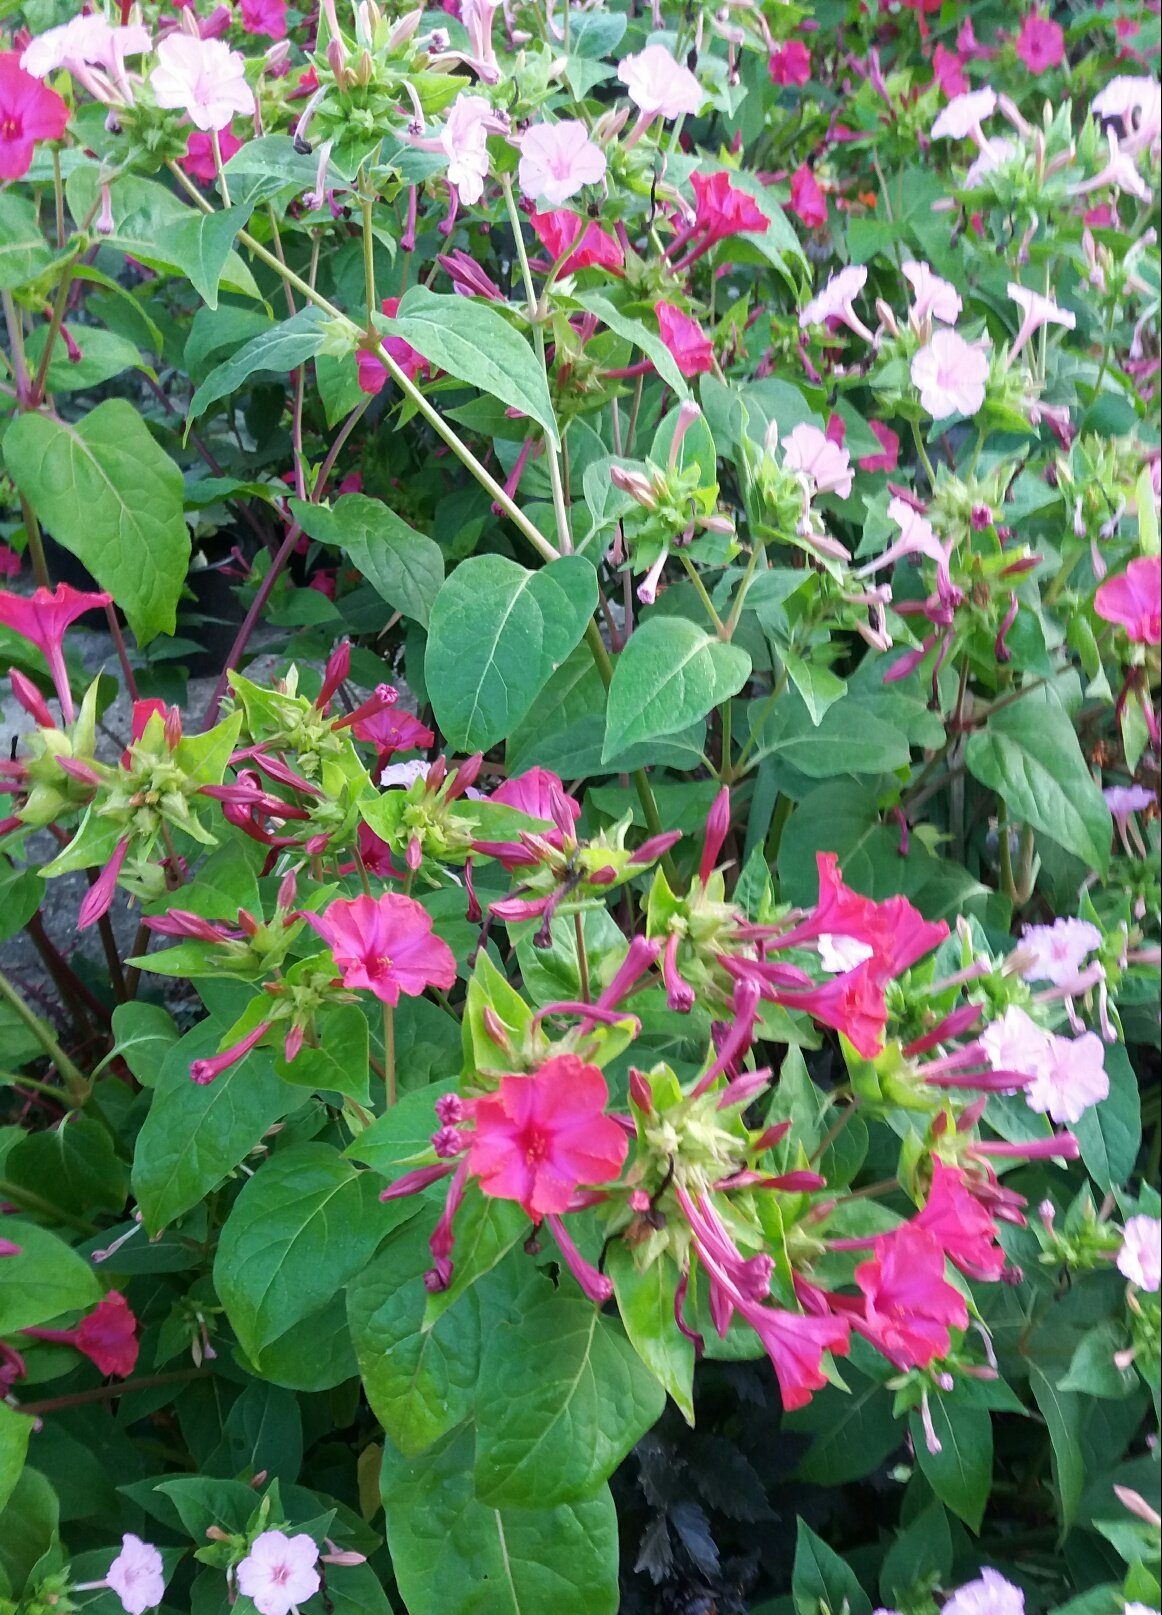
(421, 1383)
(202, 244)
(1030, 756)
(338, 1063)
(821, 1581)
(846, 739)
(15, 1429)
(919, 1559)
(496, 634)
(961, 1472)
(304, 1224)
(669, 675)
(107, 492)
(636, 331)
(194, 1135)
(454, 1556)
(24, 253)
(1110, 1133)
(77, 1159)
(1063, 1415)
(403, 567)
(475, 343)
(104, 354)
(563, 1398)
(45, 1279)
(819, 686)
(646, 1303)
(276, 351)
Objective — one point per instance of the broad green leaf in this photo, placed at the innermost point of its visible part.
(919, 1559)
(202, 244)
(496, 634)
(961, 1472)
(637, 332)
(563, 1398)
(45, 1279)
(107, 492)
(455, 1556)
(646, 1303)
(1110, 1133)
(1029, 754)
(846, 738)
(404, 567)
(669, 675)
(315, 1354)
(338, 1062)
(194, 1135)
(819, 686)
(304, 1224)
(77, 1160)
(475, 343)
(1063, 1415)
(104, 354)
(401, 1132)
(15, 1429)
(276, 351)
(421, 1383)
(853, 1431)
(821, 1581)
(24, 252)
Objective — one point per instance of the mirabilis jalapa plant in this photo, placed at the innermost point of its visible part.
(735, 958)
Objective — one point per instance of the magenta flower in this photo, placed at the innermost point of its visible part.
(956, 1218)
(950, 374)
(889, 456)
(808, 203)
(29, 112)
(948, 72)
(107, 1336)
(391, 729)
(692, 349)
(909, 1304)
(264, 17)
(542, 795)
(1140, 1258)
(541, 1138)
(790, 63)
(1041, 43)
(557, 160)
(587, 244)
(203, 78)
(199, 162)
(279, 1572)
(1134, 600)
(385, 944)
(1058, 951)
(722, 210)
(43, 618)
(795, 1345)
(658, 85)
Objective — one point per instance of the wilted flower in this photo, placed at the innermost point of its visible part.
(692, 349)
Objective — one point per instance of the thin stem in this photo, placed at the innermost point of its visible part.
(366, 204)
(389, 1053)
(75, 1079)
(28, 1200)
(60, 303)
(12, 319)
(582, 958)
(17, 1079)
(122, 653)
(255, 610)
(40, 569)
(59, 198)
(106, 1393)
(923, 453)
(700, 590)
(221, 167)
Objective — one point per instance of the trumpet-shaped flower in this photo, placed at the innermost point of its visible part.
(1036, 311)
(812, 452)
(950, 374)
(692, 349)
(658, 85)
(962, 118)
(1134, 600)
(557, 160)
(43, 618)
(385, 944)
(1140, 1258)
(279, 1572)
(933, 298)
(29, 112)
(837, 302)
(1058, 950)
(909, 1303)
(203, 78)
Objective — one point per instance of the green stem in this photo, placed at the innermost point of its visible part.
(17, 1079)
(700, 590)
(60, 303)
(389, 1054)
(75, 1079)
(923, 453)
(741, 592)
(756, 727)
(366, 204)
(582, 958)
(35, 545)
(27, 1200)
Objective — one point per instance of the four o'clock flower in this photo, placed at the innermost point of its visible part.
(107, 1336)
(279, 1574)
(385, 944)
(586, 243)
(203, 78)
(790, 63)
(909, 1304)
(722, 209)
(808, 203)
(137, 1576)
(1041, 43)
(1036, 311)
(43, 618)
(658, 85)
(958, 1220)
(933, 298)
(1140, 1258)
(837, 302)
(1058, 952)
(692, 349)
(557, 160)
(1133, 599)
(827, 464)
(962, 118)
(950, 374)
(29, 111)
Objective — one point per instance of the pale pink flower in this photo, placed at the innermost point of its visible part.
(935, 299)
(1140, 1258)
(557, 160)
(1015, 1042)
(87, 41)
(1059, 950)
(1036, 311)
(990, 1595)
(203, 78)
(137, 1576)
(464, 141)
(827, 464)
(1120, 172)
(657, 84)
(961, 119)
(1137, 104)
(995, 155)
(838, 954)
(950, 374)
(837, 302)
(279, 1572)
(1069, 1078)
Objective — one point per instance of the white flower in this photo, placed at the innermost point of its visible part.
(950, 374)
(838, 954)
(1140, 1258)
(203, 78)
(656, 83)
(963, 116)
(935, 298)
(557, 160)
(1070, 1078)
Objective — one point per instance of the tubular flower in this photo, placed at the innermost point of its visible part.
(29, 112)
(43, 618)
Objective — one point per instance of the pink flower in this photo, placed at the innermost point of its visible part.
(557, 160)
(1036, 311)
(1137, 105)
(591, 245)
(795, 1345)
(1041, 43)
(85, 41)
(1069, 1078)
(790, 63)
(1058, 950)
(722, 210)
(540, 794)
(812, 452)
(889, 457)
(391, 729)
(961, 119)
(279, 1572)
(1015, 1042)
(137, 1575)
(933, 298)
(43, 618)
(1133, 599)
(107, 1337)
(265, 17)
(951, 375)
(372, 372)
(541, 1138)
(948, 72)
(692, 349)
(837, 302)
(808, 202)
(464, 141)
(910, 1305)
(202, 78)
(990, 1595)
(658, 85)
(29, 112)
(386, 945)
(956, 1218)
(199, 162)
(1140, 1258)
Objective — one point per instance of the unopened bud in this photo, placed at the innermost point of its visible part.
(495, 1029)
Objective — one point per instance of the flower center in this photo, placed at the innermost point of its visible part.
(379, 966)
(536, 1146)
(11, 127)
(280, 1575)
